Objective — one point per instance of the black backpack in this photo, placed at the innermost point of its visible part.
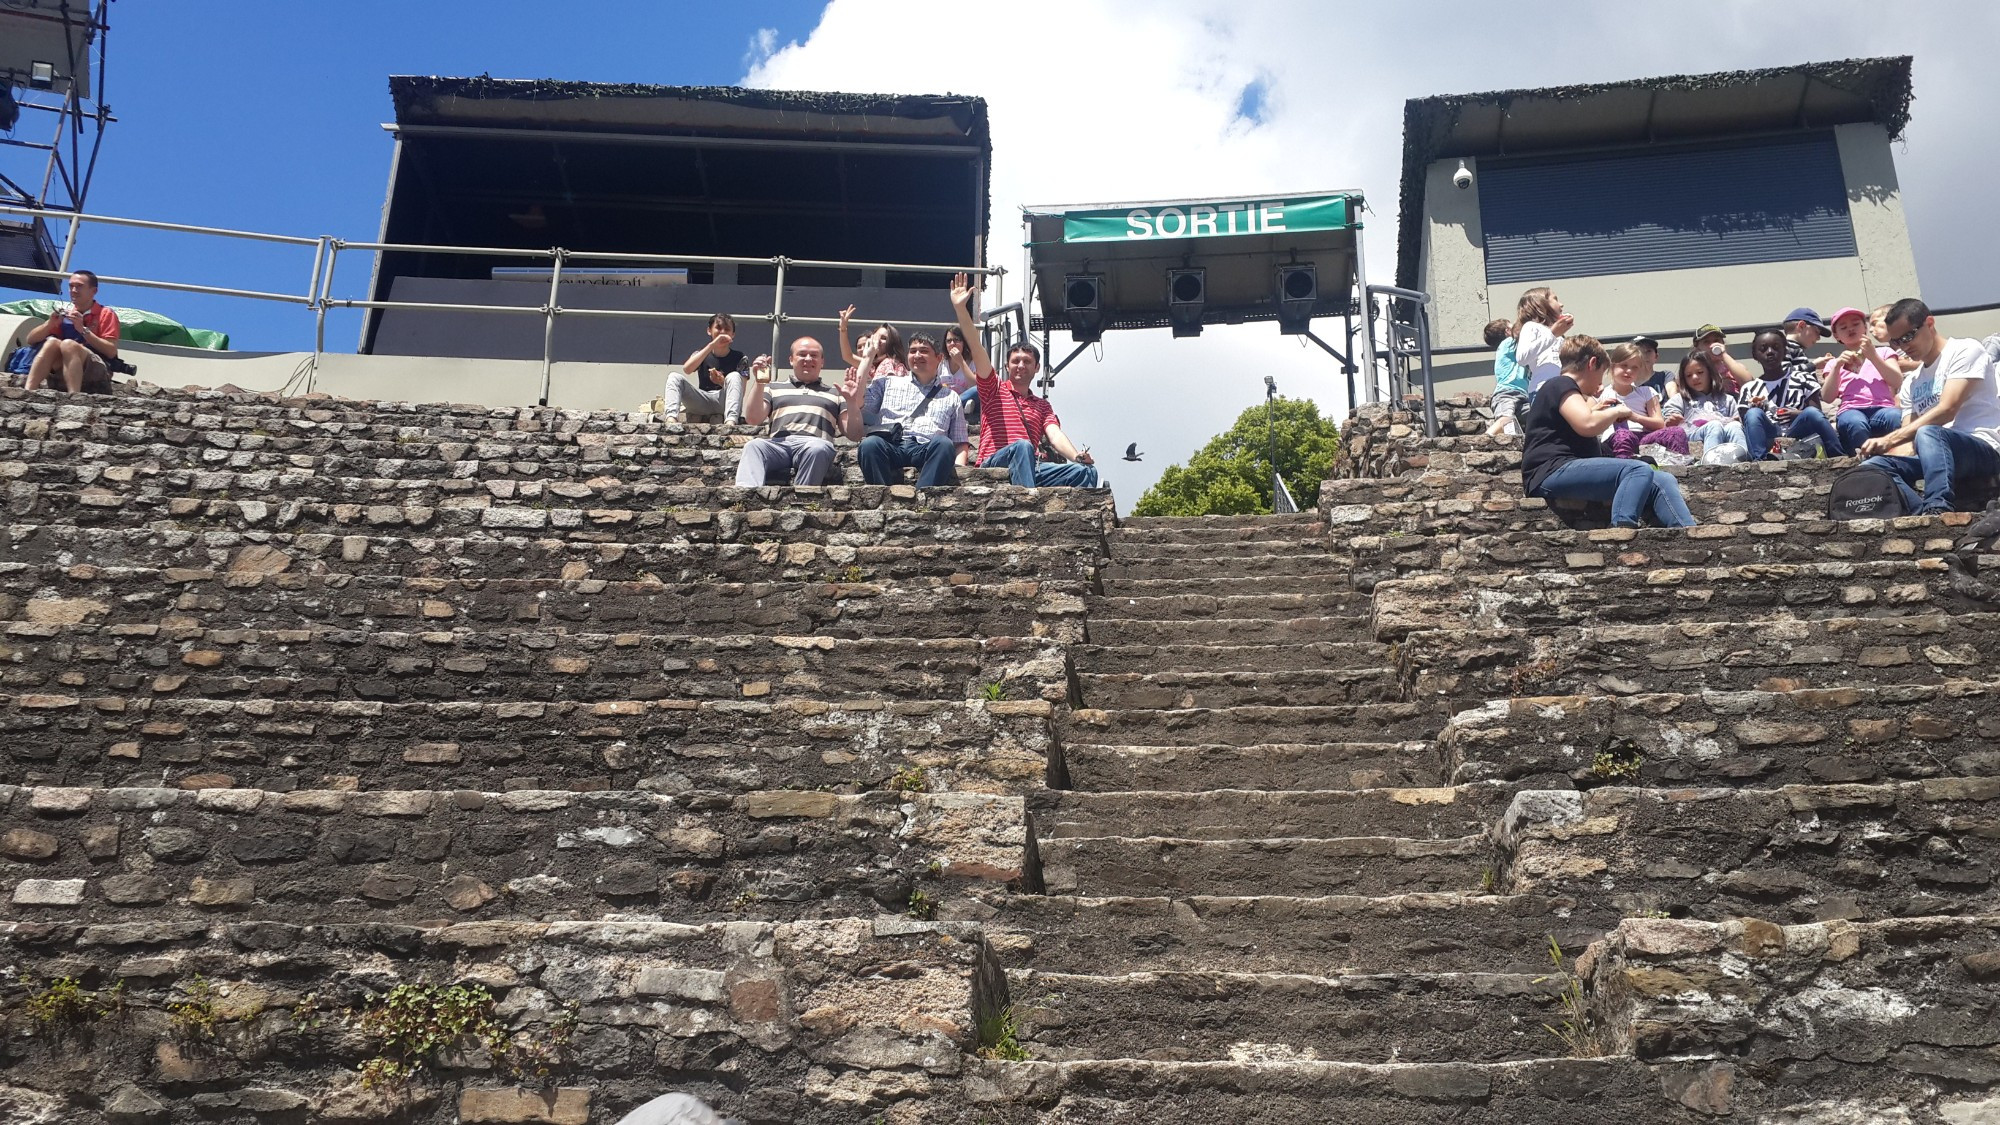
(1865, 492)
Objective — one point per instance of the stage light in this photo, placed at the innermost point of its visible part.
(10, 110)
(1298, 293)
(41, 75)
(1083, 304)
(1187, 295)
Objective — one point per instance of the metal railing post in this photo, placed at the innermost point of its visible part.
(69, 242)
(322, 284)
(777, 309)
(549, 321)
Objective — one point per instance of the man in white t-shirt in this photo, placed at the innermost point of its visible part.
(1957, 438)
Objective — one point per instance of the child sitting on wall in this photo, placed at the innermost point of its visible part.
(1510, 381)
(1703, 410)
(1647, 426)
(1785, 402)
(1861, 382)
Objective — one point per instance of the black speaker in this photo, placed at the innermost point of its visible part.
(1187, 296)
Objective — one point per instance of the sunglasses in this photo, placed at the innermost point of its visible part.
(1903, 341)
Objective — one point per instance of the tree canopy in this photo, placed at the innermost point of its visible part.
(1231, 475)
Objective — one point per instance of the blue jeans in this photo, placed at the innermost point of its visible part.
(1762, 431)
(883, 461)
(1633, 487)
(1860, 423)
(1718, 434)
(969, 403)
(1944, 457)
(1023, 469)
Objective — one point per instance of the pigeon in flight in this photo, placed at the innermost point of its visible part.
(1132, 452)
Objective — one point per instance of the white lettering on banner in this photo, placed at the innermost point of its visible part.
(1141, 224)
(1180, 224)
(1201, 220)
(1230, 209)
(1273, 215)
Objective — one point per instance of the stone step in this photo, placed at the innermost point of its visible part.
(636, 516)
(1321, 658)
(1122, 690)
(1282, 934)
(1712, 483)
(139, 855)
(1370, 865)
(1325, 569)
(1793, 854)
(1120, 632)
(1610, 549)
(129, 451)
(1272, 1088)
(1252, 725)
(667, 745)
(234, 408)
(1181, 1016)
(1146, 523)
(1196, 607)
(1281, 766)
(518, 665)
(41, 554)
(1468, 602)
(1115, 584)
(1722, 738)
(588, 1000)
(1139, 539)
(1490, 664)
(1219, 557)
(920, 608)
(1228, 814)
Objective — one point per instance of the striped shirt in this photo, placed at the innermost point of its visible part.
(1006, 417)
(809, 409)
(895, 400)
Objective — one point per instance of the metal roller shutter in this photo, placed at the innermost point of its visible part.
(1772, 200)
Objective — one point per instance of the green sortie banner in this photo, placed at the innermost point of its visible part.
(1208, 220)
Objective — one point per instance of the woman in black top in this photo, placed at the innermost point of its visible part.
(1562, 458)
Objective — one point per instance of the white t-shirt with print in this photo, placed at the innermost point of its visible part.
(1978, 415)
(1638, 400)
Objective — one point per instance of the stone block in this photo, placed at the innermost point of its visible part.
(560, 1106)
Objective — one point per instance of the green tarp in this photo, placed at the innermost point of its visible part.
(134, 324)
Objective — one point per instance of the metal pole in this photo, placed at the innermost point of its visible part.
(1424, 358)
(1361, 288)
(1347, 365)
(69, 241)
(777, 310)
(549, 322)
(1271, 433)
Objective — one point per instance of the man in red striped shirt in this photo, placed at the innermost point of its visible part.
(1013, 420)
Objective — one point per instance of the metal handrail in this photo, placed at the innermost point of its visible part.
(326, 259)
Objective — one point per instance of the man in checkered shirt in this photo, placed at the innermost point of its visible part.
(912, 420)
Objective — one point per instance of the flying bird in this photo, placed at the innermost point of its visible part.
(1132, 452)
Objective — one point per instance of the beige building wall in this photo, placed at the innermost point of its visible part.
(1671, 303)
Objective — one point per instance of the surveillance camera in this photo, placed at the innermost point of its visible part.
(1462, 177)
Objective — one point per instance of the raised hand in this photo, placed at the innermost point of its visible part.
(961, 290)
(1563, 324)
(760, 369)
(846, 315)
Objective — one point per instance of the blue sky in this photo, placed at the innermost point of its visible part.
(265, 115)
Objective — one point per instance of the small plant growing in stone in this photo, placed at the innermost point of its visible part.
(192, 1017)
(1578, 1031)
(910, 779)
(65, 1007)
(1488, 879)
(746, 900)
(418, 1022)
(999, 1038)
(994, 691)
(923, 907)
(1620, 761)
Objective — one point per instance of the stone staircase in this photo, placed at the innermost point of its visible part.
(330, 723)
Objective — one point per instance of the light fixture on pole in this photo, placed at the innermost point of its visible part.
(1297, 295)
(1083, 304)
(1187, 295)
(42, 75)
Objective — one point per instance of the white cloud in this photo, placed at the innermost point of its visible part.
(763, 44)
(1104, 100)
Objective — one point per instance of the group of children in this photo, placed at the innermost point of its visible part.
(1733, 410)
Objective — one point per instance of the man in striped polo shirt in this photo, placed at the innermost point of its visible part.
(805, 414)
(1013, 420)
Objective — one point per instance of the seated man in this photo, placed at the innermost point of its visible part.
(805, 417)
(76, 341)
(1954, 440)
(710, 383)
(1013, 419)
(912, 420)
